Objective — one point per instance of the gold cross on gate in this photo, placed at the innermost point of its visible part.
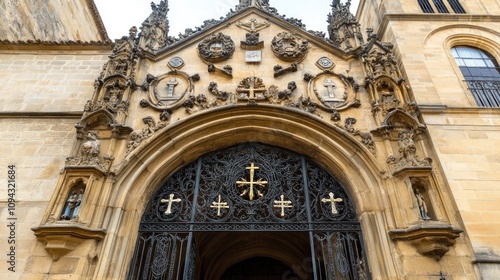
(170, 200)
(332, 200)
(251, 189)
(282, 204)
(219, 205)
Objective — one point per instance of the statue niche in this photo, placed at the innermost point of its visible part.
(387, 97)
(73, 202)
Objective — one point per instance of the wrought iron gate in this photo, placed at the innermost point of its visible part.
(249, 187)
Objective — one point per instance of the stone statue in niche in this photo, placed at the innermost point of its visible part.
(422, 205)
(72, 206)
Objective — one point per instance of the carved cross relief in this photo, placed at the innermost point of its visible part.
(251, 88)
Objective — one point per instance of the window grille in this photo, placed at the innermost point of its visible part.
(456, 6)
(481, 73)
(440, 6)
(425, 6)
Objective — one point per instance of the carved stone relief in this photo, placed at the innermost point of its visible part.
(279, 70)
(112, 101)
(365, 137)
(325, 63)
(216, 48)
(252, 41)
(333, 91)
(251, 88)
(88, 154)
(407, 153)
(343, 27)
(136, 137)
(154, 30)
(388, 97)
(289, 47)
(168, 91)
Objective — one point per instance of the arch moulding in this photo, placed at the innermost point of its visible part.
(184, 141)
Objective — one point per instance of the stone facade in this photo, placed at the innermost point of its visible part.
(94, 129)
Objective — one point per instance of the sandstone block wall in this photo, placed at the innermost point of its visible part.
(38, 90)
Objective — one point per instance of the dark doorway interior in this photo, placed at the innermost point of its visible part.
(259, 268)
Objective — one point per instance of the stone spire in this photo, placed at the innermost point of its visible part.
(154, 29)
(343, 27)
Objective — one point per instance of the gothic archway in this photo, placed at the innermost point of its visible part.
(261, 195)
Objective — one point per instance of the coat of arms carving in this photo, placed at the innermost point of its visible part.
(216, 48)
(289, 47)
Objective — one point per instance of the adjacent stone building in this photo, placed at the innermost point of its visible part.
(251, 147)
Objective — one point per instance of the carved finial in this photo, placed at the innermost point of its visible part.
(343, 27)
(154, 29)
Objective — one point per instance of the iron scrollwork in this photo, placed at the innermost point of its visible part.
(299, 196)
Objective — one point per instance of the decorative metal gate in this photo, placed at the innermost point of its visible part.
(249, 187)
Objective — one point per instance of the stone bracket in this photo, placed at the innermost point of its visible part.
(64, 238)
(431, 239)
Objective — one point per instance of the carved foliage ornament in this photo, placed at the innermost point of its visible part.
(289, 47)
(216, 48)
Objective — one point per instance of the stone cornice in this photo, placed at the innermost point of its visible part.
(462, 18)
(444, 109)
(41, 115)
(51, 45)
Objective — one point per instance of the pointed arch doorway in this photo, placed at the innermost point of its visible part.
(250, 202)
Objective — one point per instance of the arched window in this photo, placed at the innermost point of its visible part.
(481, 73)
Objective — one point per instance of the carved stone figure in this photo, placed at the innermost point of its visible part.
(422, 205)
(151, 127)
(78, 203)
(343, 28)
(289, 47)
(408, 153)
(135, 141)
(407, 147)
(154, 29)
(72, 205)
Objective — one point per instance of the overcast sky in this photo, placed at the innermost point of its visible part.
(120, 15)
